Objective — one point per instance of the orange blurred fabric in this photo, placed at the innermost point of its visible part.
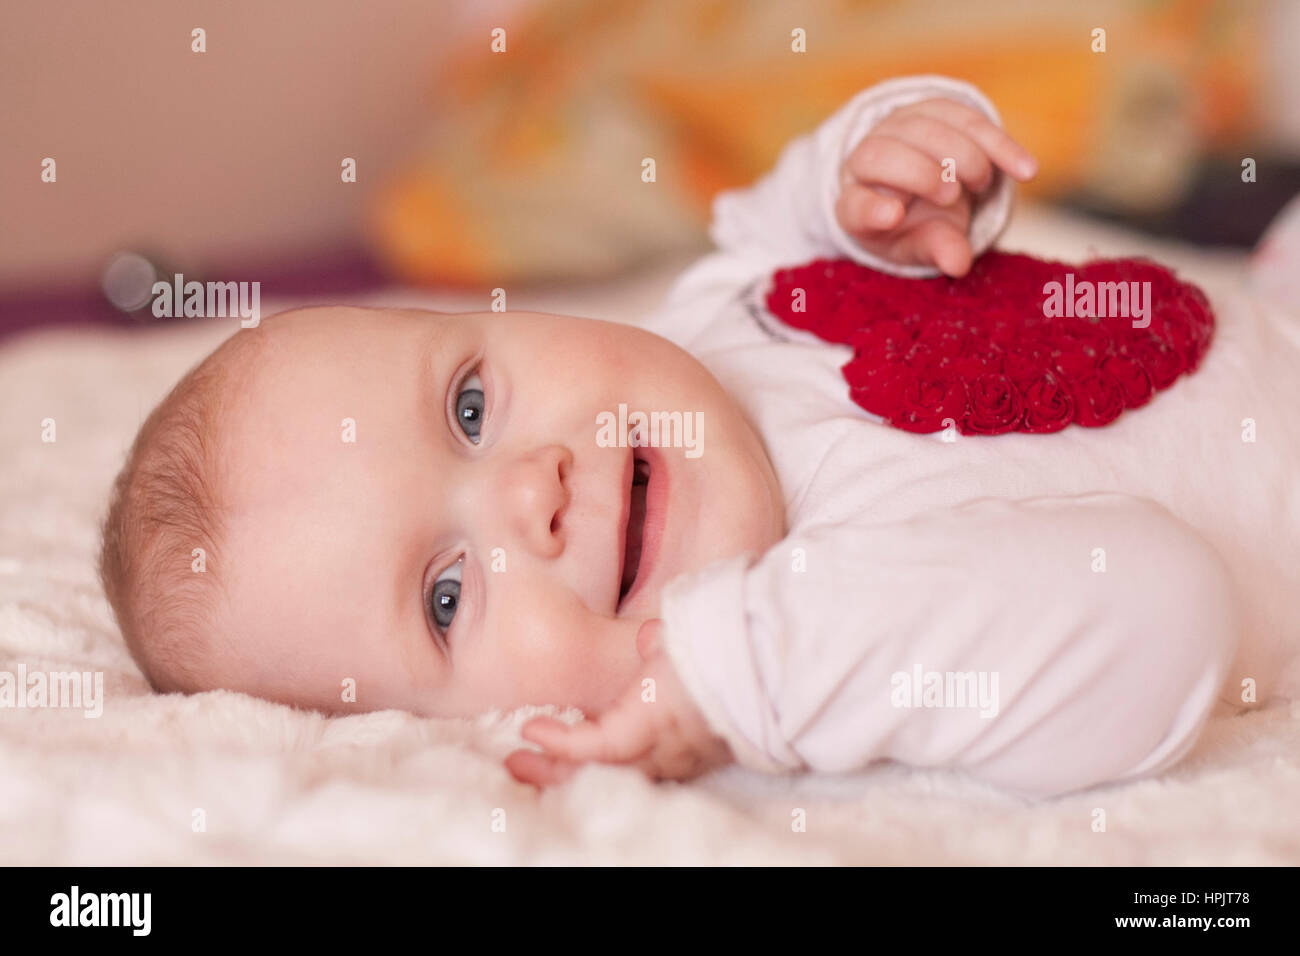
(534, 168)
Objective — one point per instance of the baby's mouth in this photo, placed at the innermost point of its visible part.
(634, 533)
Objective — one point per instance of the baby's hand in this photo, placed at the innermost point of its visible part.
(667, 737)
(895, 201)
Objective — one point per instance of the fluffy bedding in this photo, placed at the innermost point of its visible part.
(222, 778)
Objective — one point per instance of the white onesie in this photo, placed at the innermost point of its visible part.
(1044, 611)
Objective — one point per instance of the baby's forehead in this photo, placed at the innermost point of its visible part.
(283, 348)
(321, 388)
(325, 326)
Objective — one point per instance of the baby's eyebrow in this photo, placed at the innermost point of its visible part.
(430, 366)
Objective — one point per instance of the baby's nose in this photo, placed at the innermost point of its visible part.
(537, 496)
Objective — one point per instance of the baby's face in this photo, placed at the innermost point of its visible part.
(427, 505)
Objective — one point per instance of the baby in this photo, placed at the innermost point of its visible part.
(348, 509)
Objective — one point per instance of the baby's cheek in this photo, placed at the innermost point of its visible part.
(563, 653)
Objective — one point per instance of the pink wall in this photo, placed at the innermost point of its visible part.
(229, 154)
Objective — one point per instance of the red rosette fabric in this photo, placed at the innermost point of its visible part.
(996, 405)
(1098, 399)
(1049, 406)
(984, 351)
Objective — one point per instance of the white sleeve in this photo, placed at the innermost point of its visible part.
(788, 216)
(993, 637)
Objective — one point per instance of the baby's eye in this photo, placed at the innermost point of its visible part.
(469, 406)
(444, 596)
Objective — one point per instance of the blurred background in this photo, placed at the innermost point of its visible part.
(477, 169)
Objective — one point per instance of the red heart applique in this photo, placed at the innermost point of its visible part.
(989, 350)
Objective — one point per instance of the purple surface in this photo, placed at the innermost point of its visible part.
(81, 302)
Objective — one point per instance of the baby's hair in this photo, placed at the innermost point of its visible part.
(166, 502)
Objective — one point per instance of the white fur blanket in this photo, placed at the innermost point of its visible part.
(222, 778)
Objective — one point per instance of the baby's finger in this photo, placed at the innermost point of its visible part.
(1005, 152)
(861, 209)
(540, 770)
(619, 735)
(886, 161)
(942, 141)
(938, 242)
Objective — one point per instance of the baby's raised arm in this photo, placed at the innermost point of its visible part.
(908, 188)
(909, 173)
